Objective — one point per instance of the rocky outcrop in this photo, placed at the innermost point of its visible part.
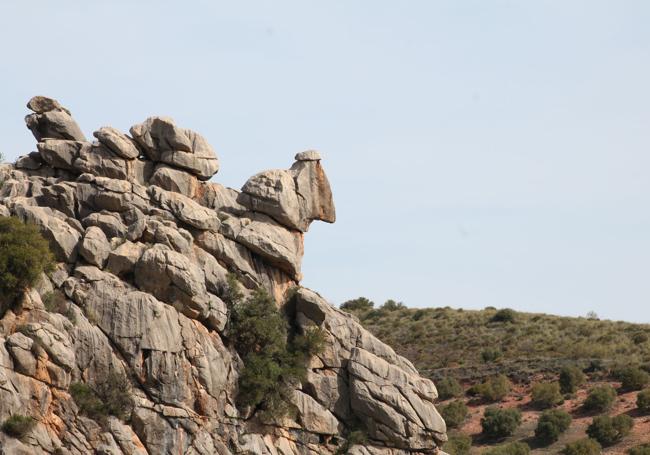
(144, 244)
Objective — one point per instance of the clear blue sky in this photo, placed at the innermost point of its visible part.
(481, 152)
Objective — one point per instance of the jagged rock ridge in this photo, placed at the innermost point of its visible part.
(144, 243)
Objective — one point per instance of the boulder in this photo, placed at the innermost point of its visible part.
(185, 209)
(51, 121)
(95, 247)
(117, 142)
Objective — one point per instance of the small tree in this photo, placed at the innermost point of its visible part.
(24, 256)
(632, 378)
(491, 355)
(493, 389)
(600, 399)
(504, 315)
(643, 401)
(551, 424)
(458, 444)
(358, 304)
(449, 388)
(514, 448)
(609, 430)
(583, 447)
(392, 305)
(454, 413)
(499, 423)
(546, 395)
(571, 377)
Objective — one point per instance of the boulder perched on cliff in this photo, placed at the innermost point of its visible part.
(148, 252)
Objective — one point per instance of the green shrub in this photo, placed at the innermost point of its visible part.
(110, 396)
(571, 377)
(458, 444)
(639, 338)
(499, 423)
(492, 390)
(643, 401)
(454, 413)
(632, 378)
(551, 424)
(56, 302)
(392, 305)
(643, 449)
(546, 395)
(600, 399)
(273, 363)
(18, 425)
(514, 448)
(504, 315)
(491, 355)
(609, 430)
(449, 388)
(358, 304)
(24, 255)
(583, 447)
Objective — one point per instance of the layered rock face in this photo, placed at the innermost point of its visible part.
(144, 243)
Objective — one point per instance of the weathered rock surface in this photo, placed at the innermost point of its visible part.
(144, 246)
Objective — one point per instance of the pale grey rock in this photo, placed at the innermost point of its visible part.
(118, 142)
(185, 209)
(50, 120)
(95, 247)
(109, 222)
(29, 162)
(177, 239)
(175, 180)
(164, 142)
(60, 153)
(308, 155)
(43, 104)
(122, 260)
(313, 416)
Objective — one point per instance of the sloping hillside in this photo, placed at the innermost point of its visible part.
(462, 349)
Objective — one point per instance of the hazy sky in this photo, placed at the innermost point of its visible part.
(480, 152)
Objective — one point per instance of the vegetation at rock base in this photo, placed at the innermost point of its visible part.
(643, 401)
(449, 388)
(274, 359)
(458, 444)
(498, 423)
(358, 304)
(609, 430)
(585, 446)
(110, 396)
(55, 302)
(24, 255)
(454, 413)
(492, 390)
(571, 377)
(18, 425)
(546, 395)
(551, 424)
(514, 448)
(600, 399)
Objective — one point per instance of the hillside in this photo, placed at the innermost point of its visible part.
(529, 349)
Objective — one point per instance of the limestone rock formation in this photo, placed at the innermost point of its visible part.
(144, 244)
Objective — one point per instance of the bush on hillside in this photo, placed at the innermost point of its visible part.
(449, 388)
(273, 363)
(610, 430)
(643, 449)
(632, 378)
(18, 425)
(24, 255)
(514, 448)
(639, 337)
(358, 304)
(643, 401)
(110, 396)
(583, 447)
(498, 423)
(492, 390)
(600, 399)
(458, 444)
(546, 395)
(551, 425)
(504, 315)
(571, 377)
(491, 355)
(392, 305)
(454, 413)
